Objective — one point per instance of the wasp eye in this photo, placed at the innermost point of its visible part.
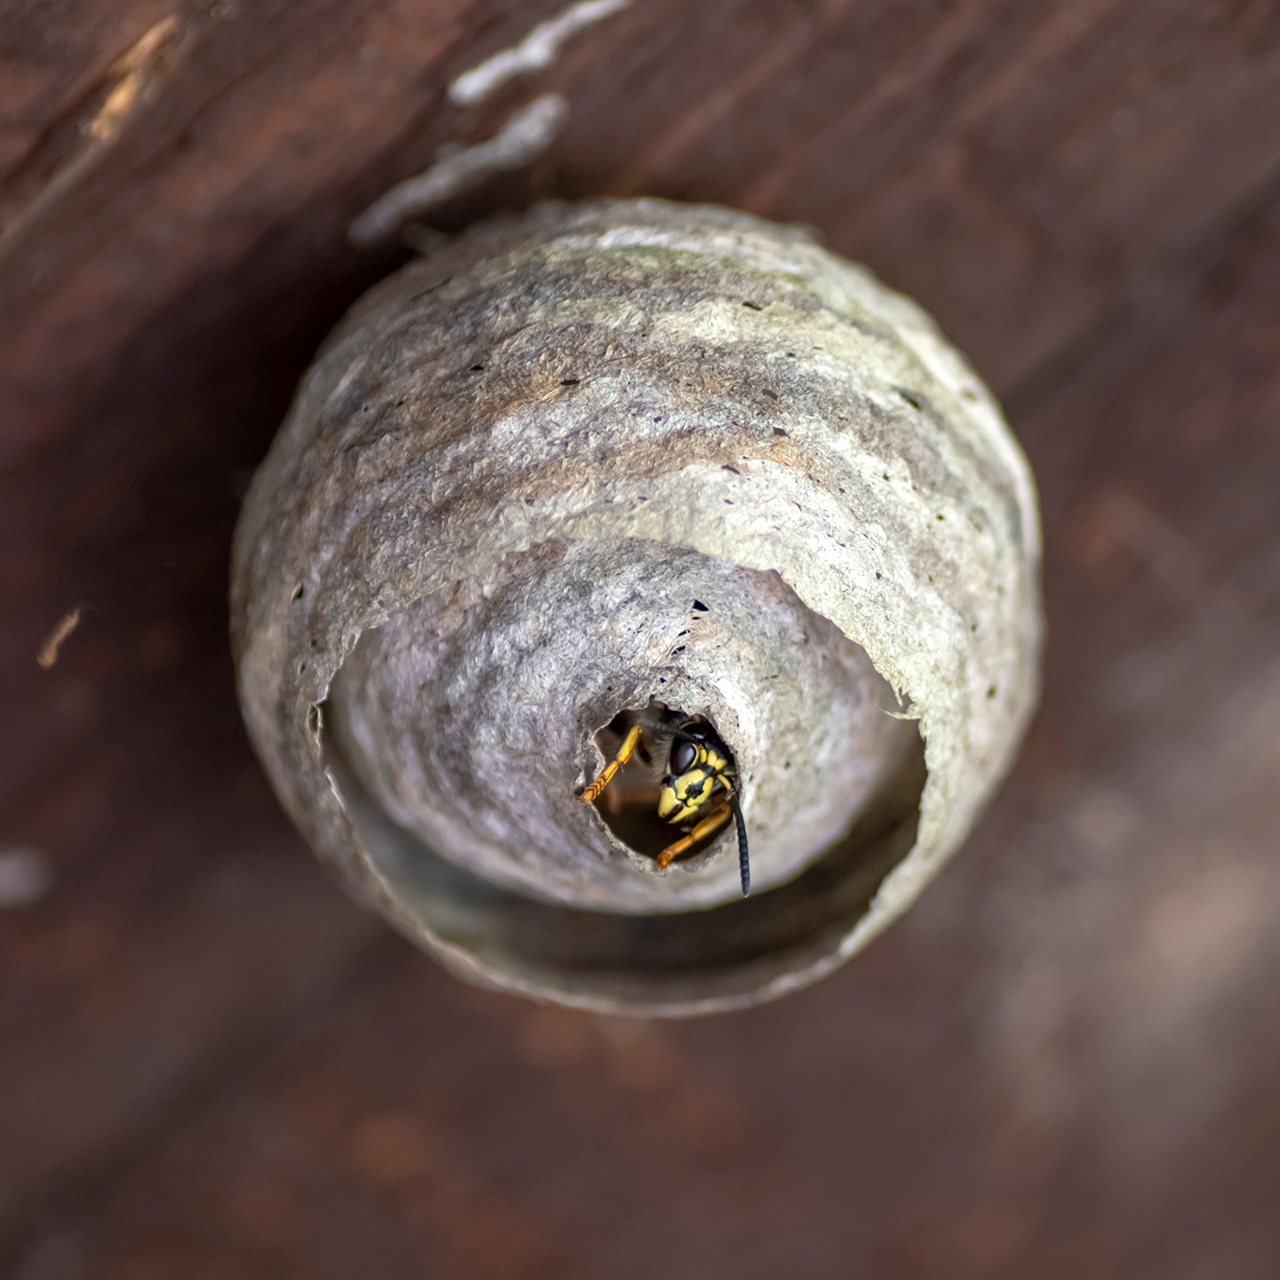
(683, 754)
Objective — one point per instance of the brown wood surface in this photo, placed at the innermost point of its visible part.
(1061, 1064)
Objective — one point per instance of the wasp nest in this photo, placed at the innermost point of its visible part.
(615, 457)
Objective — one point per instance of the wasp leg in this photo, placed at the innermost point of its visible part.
(624, 754)
(705, 828)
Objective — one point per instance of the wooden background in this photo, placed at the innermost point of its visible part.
(1062, 1064)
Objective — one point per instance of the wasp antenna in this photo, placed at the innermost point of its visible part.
(744, 866)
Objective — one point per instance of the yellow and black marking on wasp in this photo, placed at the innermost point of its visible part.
(700, 771)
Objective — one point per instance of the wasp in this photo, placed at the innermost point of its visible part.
(699, 771)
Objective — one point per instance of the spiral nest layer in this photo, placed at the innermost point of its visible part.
(607, 454)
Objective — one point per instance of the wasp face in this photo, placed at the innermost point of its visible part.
(696, 767)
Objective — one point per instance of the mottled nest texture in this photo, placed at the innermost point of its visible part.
(606, 454)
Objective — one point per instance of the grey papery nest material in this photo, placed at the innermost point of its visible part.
(606, 454)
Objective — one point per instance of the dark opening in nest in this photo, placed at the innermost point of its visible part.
(629, 804)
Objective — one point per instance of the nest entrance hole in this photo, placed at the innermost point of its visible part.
(688, 961)
(628, 806)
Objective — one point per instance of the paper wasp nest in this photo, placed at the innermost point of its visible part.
(614, 453)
